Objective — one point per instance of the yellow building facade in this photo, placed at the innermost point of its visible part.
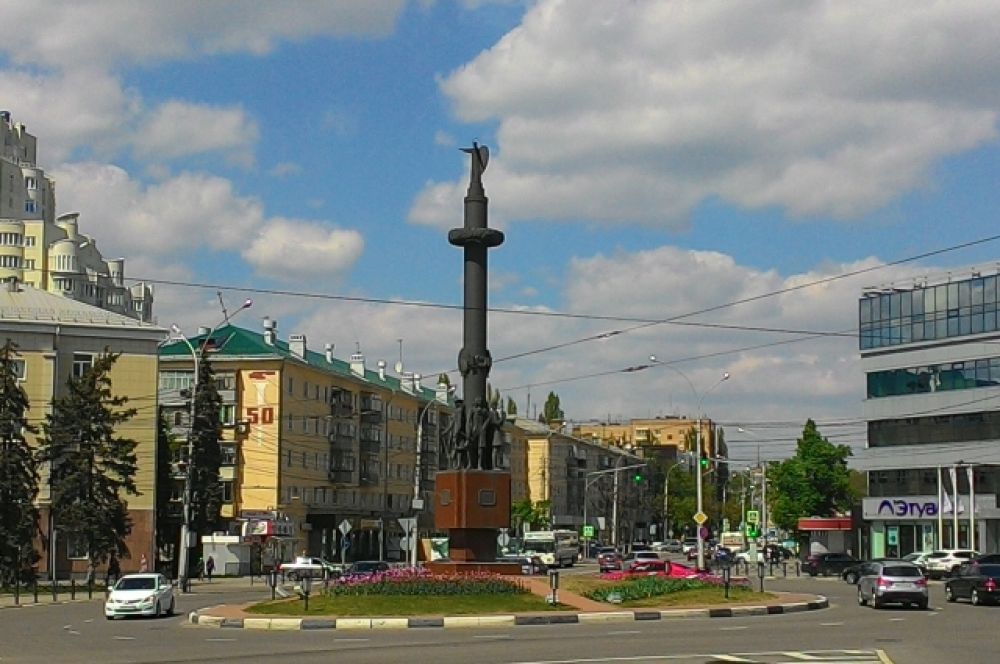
(314, 442)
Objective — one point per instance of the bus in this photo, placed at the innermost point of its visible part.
(556, 548)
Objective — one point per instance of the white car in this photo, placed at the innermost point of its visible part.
(140, 595)
(942, 562)
(744, 556)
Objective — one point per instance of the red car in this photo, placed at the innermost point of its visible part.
(641, 562)
(608, 559)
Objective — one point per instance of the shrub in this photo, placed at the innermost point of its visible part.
(408, 581)
(641, 587)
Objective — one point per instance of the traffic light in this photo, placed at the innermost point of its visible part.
(704, 463)
(753, 530)
(637, 478)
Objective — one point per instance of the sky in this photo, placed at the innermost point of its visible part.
(713, 183)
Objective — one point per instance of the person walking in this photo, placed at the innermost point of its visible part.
(114, 571)
(209, 568)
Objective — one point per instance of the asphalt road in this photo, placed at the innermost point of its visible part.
(78, 632)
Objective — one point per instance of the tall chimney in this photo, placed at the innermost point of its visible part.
(329, 353)
(297, 344)
(270, 331)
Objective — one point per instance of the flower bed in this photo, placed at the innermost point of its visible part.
(421, 582)
(627, 587)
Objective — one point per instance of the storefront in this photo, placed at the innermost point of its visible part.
(899, 525)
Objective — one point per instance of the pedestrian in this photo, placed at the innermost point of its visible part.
(209, 568)
(143, 564)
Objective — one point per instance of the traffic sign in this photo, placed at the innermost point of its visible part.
(588, 531)
(344, 527)
(404, 543)
(703, 533)
(753, 516)
(407, 524)
(700, 518)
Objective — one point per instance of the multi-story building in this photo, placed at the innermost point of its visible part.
(49, 252)
(311, 442)
(59, 338)
(931, 356)
(576, 477)
(659, 432)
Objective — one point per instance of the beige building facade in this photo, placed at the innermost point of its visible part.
(58, 339)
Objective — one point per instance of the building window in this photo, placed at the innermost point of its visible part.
(82, 362)
(228, 455)
(175, 380)
(20, 368)
(30, 183)
(76, 547)
(227, 491)
(29, 206)
(291, 384)
(227, 414)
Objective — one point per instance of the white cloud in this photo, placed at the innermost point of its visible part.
(65, 33)
(295, 250)
(177, 129)
(285, 169)
(820, 109)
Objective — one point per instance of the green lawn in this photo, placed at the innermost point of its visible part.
(583, 584)
(406, 605)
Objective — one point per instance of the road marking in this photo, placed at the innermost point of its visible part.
(492, 637)
(831, 624)
(124, 638)
(220, 639)
(624, 631)
(73, 631)
(351, 640)
(730, 658)
(733, 629)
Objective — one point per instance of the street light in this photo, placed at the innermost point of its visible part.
(186, 543)
(698, 473)
(666, 497)
(417, 502)
(595, 475)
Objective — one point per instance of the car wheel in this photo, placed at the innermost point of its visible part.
(974, 598)
(876, 603)
(109, 617)
(156, 611)
(812, 573)
(922, 605)
(861, 598)
(851, 578)
(949, 594)
(170, 609)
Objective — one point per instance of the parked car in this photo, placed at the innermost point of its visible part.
(918, 558)
(828, 563)
(979, 583)
(609, 559)
(364, 568)
(673, 546)
(643, 561)
(770, 553)
(140, 595)
(530, 564)
(988, 559)
(688, 544)
(943, 562)
(892, 582)
(303, 566)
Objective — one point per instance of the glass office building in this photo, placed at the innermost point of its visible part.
(931, 357)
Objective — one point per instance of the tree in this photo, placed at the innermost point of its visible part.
(534, 515)
(552, 412)
(814, 482)
(18, 473)
(92, 469)
(167, 520)
(511, 406)
(206, 489)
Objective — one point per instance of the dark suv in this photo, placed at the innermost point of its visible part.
(828, 563)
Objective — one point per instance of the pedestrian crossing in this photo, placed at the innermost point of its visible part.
(801, 656)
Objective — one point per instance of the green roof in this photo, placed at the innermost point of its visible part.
(231, 341)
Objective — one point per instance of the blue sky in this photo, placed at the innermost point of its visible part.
(649, 159)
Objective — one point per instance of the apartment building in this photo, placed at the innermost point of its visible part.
(576, 476)
(658, 432)
(59, 338)
(930, 351)
(312, 441)
(49, 252)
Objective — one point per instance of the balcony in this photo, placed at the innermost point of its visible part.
(340, 476)
(371, 408)
(341, 401)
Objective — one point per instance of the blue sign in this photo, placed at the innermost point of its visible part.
(907, 508)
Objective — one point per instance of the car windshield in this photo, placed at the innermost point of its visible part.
(909, 571)
(367, 567)
(989, 570)
(539, 546)
(937, 554)
(136, 583)
(607, 551)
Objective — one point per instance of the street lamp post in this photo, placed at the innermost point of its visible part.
(417, 502)
(595, 475)
(697, 465)
(186, 543)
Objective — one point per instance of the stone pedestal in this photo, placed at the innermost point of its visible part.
(472, 505)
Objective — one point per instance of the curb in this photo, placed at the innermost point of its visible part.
(502, 620)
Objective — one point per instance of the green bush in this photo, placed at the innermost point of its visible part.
(646, 586)
(418, 582)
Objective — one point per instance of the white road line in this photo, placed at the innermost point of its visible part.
(491, 637)
(124, 638)
(831, 624)
(624, 631)
(73, 631)
(219, 639)
(733, 629)
(896, 619)
(730, 658)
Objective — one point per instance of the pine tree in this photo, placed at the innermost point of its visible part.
(206, 489)
(93, 470)
(18, 473)
(511, 406)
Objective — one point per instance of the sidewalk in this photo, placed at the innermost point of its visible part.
(579, 610)
(220, 585)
